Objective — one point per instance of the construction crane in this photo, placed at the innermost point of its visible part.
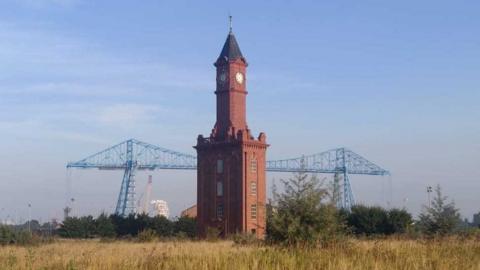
(132, 155)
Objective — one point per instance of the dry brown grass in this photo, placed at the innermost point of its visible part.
(358, 254)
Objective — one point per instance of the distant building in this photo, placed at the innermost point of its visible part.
(476, 219)
(160, 207)
(190, 212)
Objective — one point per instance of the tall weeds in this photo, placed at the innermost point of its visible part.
(395, 254)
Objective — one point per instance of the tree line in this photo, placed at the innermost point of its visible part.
(303, 213)
(115, 226)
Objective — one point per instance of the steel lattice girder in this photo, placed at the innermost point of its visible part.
(148, 156)
(132, 155)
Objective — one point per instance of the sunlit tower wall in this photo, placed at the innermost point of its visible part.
(231, 191)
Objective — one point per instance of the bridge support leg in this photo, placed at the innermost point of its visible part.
(348, 200)
(126, 197)
(337, 193)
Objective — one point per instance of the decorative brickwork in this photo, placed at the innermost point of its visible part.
(231, 159)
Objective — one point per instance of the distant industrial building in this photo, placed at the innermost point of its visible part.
(190, 212)
(160, 207)
(476, 219)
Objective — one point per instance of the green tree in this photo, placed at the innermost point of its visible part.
(162, 226)
(74, 227)
(186, 226)
(6, 235)
(441, 217)
(299, 215)
(104, 226)
(399, 220)
(70, 228)
(368, 220)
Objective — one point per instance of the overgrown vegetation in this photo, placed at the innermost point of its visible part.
(374, 220)
(301, 214)
(441, 218)
(8, 235)
(117, 226)
(446, 254)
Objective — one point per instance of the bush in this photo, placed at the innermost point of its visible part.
(245, 239)
(299, 217)
(74, 227)
(368, 220)
(371, 220)
(21, 237)
(441, 218)
(147, 235)
(118, 226)
(25, 238)
(104, 227)
(161, 225)
(6, 235)
(399, 221)
(186, 226)
(212, 234)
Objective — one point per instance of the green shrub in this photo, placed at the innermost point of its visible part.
(375, 220)
(299, 215)
(104, 227)
(399, 221)
(245, 239)
(6, 235)
(147, 235)
(441, 218)
(26, 238)
(186, 226)
(212, 234)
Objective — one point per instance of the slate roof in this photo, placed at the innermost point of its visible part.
(230, 50)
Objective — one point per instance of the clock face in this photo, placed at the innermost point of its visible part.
(239, 77)
(223, 77)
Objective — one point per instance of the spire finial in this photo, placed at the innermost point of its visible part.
(230, 22)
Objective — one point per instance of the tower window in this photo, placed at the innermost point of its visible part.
(253, 188)
(220, 166)
(253, 211)
(220, 211)
(219, 188)
(253, 165)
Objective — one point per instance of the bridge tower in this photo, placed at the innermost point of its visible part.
(231, 162)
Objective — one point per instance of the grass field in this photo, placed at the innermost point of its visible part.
(357, 254)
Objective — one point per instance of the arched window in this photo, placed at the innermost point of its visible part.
(219, 166)
(219, 188)
(253, 165)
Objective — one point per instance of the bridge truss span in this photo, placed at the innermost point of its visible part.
(331, 161)
(132, 155)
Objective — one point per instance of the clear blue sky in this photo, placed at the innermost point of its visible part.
(396, 81)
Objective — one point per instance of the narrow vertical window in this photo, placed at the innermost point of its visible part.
(253, 188)
(253, 211)
(219, 188)
(253, 165)
(220, 166)
(220, 211)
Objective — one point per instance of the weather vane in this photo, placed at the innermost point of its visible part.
(230, 22)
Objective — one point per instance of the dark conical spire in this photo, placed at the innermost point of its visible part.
(230, 50)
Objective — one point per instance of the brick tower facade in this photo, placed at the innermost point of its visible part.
(231, 162)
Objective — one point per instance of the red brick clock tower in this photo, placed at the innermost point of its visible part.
(231, 162)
